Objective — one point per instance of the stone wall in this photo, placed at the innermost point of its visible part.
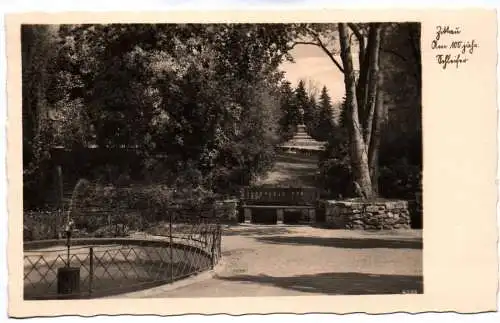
(365, 215)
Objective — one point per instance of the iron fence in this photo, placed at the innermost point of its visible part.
(180, 243)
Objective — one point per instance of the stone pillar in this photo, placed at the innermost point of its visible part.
(280, 216)
(68, 281)
(312, 215)
(248, 215)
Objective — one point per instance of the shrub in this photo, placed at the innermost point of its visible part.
(400, 180)
(335, 167)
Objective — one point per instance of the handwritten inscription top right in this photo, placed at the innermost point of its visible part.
(452, 49)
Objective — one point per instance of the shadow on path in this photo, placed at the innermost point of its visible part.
(339, 283)
(349, 243)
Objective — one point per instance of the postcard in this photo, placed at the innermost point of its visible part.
(333, 161)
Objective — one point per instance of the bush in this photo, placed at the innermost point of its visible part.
(40, 225)
(335, 167)
(400, 180)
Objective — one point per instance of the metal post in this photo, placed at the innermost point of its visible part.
(91, 269)
(68, 243)
(68, 260)
(214, 241)
(171, 247)
(60, 199)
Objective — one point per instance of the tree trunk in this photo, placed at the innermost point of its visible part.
(373, 150)
(359, 153)
(372, 80)
(362, 86)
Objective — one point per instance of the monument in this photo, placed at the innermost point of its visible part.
(301, 141)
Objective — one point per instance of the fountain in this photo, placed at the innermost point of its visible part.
(86, 266)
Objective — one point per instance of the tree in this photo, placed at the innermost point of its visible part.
(288, 115)
(37, 52)
(206, 94)
(357, 131)
(365, 88)
(325, 118)
(401, 143)
(312, 113)
(302, 101)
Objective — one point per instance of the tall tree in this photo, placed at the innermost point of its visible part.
(325, 118)
(302, 101)
(364, 99)
(186, 89)
(288, 113)
(38, 50)
(312, 113)
(358, 135)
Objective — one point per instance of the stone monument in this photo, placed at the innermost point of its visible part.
(301, 140)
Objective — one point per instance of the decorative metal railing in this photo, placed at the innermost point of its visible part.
(178, 244)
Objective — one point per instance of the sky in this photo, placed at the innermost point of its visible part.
(314, 66)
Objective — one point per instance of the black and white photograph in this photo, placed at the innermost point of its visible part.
(221, 160)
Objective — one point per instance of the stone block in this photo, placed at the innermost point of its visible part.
(248, 215)
(371, 208)
(280, 216)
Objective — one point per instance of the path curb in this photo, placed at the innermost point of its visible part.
(151, 292)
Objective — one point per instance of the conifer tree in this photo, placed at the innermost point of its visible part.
(325, 118)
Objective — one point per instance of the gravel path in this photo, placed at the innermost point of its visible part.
(292, 170)
(281, 260)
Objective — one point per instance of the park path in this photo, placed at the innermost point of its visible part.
(283, 260)
(290, 169)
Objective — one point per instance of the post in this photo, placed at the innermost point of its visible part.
(312, 215)
(91, 269)
(68, 278)
(60, 197)
(219, 241)
(68, 282)
(68, 243)
(171, 247)
(280, 216)
(213, 248)
(248, 215)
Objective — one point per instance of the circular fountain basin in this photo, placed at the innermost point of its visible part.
(110, 266)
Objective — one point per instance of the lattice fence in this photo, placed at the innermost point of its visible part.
(181, 243)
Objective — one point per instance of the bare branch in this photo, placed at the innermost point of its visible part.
(361, 40)
(323, 47)
(355, 29)
(302, 43)
(393, 52)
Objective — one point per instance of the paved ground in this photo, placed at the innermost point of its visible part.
(278, 260)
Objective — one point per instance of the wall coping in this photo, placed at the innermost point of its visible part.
(387, 203)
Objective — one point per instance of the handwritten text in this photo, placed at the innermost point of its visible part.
(453, 50)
